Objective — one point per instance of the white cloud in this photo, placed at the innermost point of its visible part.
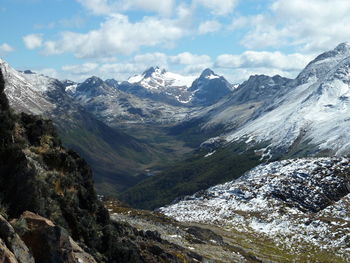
(98, 7)
(209, 26)
(33, 41)
(107, 7)
(311, 26)
(187, 58)
(117, 35)
(263, 59)
(86, 68)
(5, 48)
(50, 72)
(137, 64)
(151, 59)
(240, 75)
(218, 7)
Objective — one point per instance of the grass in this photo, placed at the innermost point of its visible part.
(191, 175)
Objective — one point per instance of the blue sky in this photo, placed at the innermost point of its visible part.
(75, 39)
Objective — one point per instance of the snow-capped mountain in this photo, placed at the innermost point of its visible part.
(299, 204)
(25, 90)
(114, 106)
(312, 110)
(209, 88)
(158, 84)
(243, 104)
(155, 78)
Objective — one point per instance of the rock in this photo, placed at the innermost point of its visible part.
(50, 243)
(14, 243)
(6, 256)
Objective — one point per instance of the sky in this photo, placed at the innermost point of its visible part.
(75, 39)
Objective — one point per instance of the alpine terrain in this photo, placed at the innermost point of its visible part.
(251, 172)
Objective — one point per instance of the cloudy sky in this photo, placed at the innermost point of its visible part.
(75, 39)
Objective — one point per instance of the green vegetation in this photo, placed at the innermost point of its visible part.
(192, 133)
(191, 175)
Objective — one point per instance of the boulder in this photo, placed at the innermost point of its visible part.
(6, 256)
(14, 243)
(50, 243)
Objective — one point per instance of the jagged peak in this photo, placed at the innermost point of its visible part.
(28, 71)
(93, 80)
(345, 46)
(148, 73)
(324, 62)
(207, 72)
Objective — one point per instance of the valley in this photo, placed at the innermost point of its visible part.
(259, 168)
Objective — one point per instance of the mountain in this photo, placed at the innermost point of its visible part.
(49, 211)
(299, 205)
(209, 88)
(245, 103)
(113, 106)
(158, 81)
(160, 85)
(263, 119)
(115, 156)
(309, 115)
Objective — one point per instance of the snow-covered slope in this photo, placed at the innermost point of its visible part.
(25, 90)
(297, 203)
(314, 111)
(244, 103)
(158, 80)
(205, 90)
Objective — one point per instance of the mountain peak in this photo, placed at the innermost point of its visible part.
(28, 71)
(207, 73)
(96, 81)
(319, 67)
(148, 73)
(343, 47)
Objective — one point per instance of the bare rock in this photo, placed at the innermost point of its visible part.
(6, 256)
(14, 243)
(50, 243)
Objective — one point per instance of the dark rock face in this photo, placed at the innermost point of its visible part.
(260, 88)
(209, 88)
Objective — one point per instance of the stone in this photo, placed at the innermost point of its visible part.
(50, 243)
(14, 243)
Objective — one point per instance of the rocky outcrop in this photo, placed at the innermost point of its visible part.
(50, 243)
(12, 245)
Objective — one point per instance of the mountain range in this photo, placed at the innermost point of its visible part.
(261, 162)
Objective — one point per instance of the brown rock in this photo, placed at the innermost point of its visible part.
(50, 243)
(6, 256)
(14, 243)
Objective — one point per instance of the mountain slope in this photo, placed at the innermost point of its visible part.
(39, 175)
(301, 205)
(209, 88)
(246, 102)
(314, 112)
(188, 176)
(114, 156)
(115, 107)
(162, 84)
